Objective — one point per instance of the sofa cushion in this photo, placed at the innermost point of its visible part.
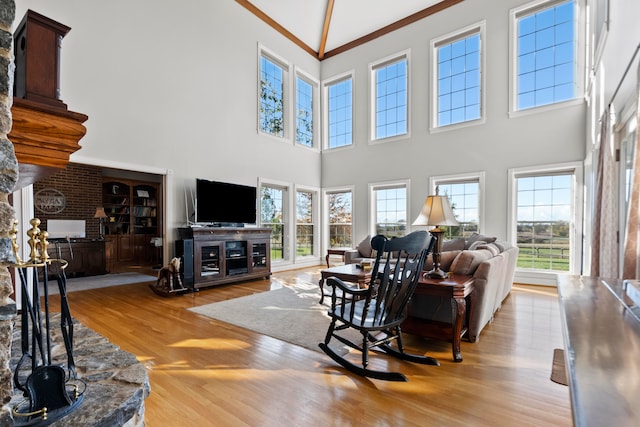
(492, 247)
(364, 247)
(476, 245)
(453, 245)
(475, 237)
(467, 261)
(502, 245)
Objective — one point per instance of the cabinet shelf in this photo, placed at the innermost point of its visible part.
(134, 217)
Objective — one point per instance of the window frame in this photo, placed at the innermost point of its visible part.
(373, 187)
(315, 221)
(326, 84)
(475, 28)
(478, 177)
(286, 93)
(373, 67)
(531, 276)
(286, 216)
(579, 55)
(315, 105)
(325, 214)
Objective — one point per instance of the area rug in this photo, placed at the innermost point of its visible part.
(558, 370)
(291, 314)
(95, 282)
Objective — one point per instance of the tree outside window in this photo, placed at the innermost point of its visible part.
(271, 97)
(304, 223)
(272, 216)
(340, 219)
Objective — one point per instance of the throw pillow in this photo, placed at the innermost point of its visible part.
(476, 236)
(364, 247)
(453, 245)
(467, 261)
(491, 247)
(477, 245)
(446, 259)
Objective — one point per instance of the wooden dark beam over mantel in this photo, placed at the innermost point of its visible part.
(44, 137)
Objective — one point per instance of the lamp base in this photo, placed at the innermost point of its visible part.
(436, 273)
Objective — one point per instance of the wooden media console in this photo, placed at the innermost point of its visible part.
(218, 255)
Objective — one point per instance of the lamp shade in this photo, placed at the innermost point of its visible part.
(100, 213)
(436, 211)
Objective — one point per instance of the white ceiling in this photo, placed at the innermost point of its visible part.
(349, 20)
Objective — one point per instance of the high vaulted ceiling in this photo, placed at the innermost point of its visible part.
(327, 27)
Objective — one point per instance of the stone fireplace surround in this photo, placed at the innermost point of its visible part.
(117, 384)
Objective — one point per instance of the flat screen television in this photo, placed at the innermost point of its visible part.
(223, 203)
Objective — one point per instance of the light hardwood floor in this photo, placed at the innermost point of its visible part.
(204, 372)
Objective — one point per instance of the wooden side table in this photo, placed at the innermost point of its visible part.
(348, 273)
(334, 252)
(458, 287)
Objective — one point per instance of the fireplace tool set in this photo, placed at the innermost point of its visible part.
(50, 391)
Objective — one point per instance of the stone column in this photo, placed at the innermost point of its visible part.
(8, 179)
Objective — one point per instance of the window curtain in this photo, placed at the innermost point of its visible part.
(631, 261)
(604, 245)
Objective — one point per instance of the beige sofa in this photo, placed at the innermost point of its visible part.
(492, 265)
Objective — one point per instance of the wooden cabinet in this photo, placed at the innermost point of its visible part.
(85, 257)
(134, 218)
(226, 254)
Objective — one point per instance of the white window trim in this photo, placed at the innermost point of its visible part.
(325, 213)
(316, 221)
(351, 74)
(406, 55)
(287, 257)
(434, 181)
(286, 94)
(315, 84)
(541, 277)
(579, 72)
(406, 183)
(475, 28)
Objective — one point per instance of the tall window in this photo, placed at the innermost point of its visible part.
(464, 198)
(340, 213)
(457, 60)
(545, 219)
(545, 53)
(390, 80)
(339, 112)
(305, 111)
(389, 207)
(272, 215)
(305, 223)
(272, 93)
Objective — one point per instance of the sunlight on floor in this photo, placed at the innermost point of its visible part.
(211, 344)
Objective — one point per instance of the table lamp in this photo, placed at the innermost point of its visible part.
(436, 212)
(101, 215)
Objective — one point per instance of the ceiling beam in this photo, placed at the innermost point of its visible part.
(321, 54)
(325, 28)
(444, 4)
(279, 28)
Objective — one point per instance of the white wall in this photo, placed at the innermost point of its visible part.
(172, 86)
(494, 147)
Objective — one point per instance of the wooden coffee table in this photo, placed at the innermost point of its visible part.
(347, 273)
(330, 252)
(458, 287)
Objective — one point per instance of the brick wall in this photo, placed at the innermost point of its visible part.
(81, 186)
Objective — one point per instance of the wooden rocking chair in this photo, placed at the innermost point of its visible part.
(377, 311)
